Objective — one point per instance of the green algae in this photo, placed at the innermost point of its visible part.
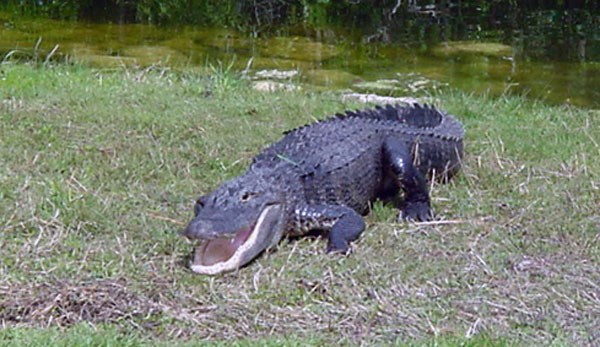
(150, 55)
(492, 49)
(259, 62)
(104, 61)
(298, 48)
(330, 77)
(223, 39)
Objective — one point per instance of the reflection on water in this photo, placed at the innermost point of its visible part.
(327, 58)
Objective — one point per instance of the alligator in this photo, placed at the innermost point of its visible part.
(323, 177)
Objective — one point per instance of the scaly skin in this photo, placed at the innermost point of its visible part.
(323, 176)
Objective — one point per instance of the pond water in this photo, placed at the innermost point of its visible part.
(326, 58)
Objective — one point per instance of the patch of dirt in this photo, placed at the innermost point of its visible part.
(63, 303)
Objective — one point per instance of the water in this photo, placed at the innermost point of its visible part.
(407, 64)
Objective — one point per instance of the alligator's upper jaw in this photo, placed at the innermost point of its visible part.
(225, 254)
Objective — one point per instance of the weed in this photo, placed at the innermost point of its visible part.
(224, 78)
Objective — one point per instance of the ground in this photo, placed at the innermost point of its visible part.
(99, 171)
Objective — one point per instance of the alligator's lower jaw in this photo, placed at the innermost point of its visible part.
(220, 255)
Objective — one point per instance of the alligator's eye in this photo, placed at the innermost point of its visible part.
(199, 205)
(246, 196)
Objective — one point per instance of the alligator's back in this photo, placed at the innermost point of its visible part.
(340, 158)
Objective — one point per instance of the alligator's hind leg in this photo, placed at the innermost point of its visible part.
(343, 224)
(416, 205)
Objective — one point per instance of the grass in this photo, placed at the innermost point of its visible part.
(99, 171)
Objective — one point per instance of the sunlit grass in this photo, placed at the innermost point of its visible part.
(98, 173)
(83, 335)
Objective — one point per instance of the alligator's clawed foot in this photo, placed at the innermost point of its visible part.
(416, 211)
(338, 249)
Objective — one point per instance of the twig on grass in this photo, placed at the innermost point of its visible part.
(166, 219)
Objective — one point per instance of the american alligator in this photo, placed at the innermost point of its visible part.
(323, 176)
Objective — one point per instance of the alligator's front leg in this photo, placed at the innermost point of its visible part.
(343, 224)
(416, 205)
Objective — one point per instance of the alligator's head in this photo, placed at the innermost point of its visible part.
(234, 224)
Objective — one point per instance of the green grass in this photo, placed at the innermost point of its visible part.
(82, 335)
(99, 171)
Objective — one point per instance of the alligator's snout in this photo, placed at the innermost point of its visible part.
(221, 252)
(201, 229)
(215, 222)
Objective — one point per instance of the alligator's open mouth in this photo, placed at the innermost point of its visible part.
(229, 253)
(211, 252)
